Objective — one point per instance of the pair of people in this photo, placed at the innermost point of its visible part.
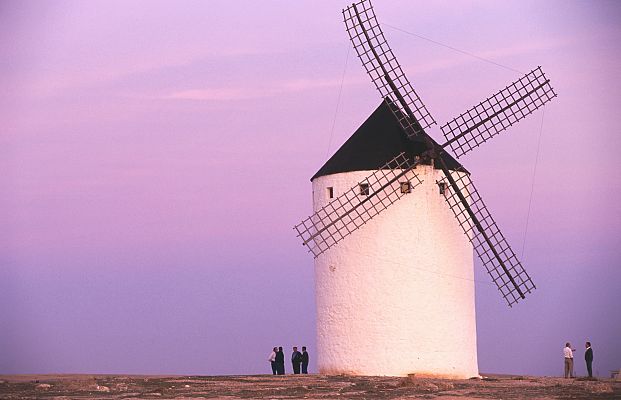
(277, 360)
(568, 353)
(299, 359)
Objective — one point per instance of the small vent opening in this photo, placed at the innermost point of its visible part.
(364, 189)
(330, 191)
(443, 186)
(406, 187)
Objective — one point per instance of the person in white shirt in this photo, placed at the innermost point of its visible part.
(272, 360)
(568, 353)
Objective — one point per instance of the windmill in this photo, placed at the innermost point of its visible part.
(394, 272)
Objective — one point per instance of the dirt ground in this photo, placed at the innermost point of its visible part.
(301, 387)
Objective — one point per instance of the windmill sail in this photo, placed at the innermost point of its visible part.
(354, 208)
(489, 243)
(382, 66)
(345, 214)
(498, 112)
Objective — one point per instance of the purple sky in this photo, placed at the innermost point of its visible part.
(154, 157)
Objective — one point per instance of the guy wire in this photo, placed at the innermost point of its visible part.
(338, 101)
(452, 48)
(532, 186)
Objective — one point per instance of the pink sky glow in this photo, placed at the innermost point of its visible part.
(154, 157)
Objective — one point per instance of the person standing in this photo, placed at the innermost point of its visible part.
(296, 360)
(280, 362)
(304, 360)
(588, 357)
(569, 361)
(272, 360)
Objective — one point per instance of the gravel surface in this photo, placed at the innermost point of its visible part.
(301, 387)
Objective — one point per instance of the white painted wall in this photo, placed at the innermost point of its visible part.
(397, 296)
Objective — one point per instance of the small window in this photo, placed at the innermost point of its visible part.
(364, 189)
(330, 191)
(406, 187)
(443, 187)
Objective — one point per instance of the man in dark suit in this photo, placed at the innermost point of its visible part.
(588, 357)
(280, 362)
(296, 360)
(304, 360)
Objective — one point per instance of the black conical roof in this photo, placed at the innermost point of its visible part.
(378, 140)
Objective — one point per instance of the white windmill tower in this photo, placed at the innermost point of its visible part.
(393, 271)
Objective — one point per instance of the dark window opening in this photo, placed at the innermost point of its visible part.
(406, 187)
(443, 187)
(330, 192)
(364, 189)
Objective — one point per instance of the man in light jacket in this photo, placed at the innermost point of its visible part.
(272, 360)
(569, 360)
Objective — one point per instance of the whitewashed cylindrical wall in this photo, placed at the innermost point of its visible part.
(396, 297)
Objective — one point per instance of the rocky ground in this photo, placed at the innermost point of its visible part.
(301, 387)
